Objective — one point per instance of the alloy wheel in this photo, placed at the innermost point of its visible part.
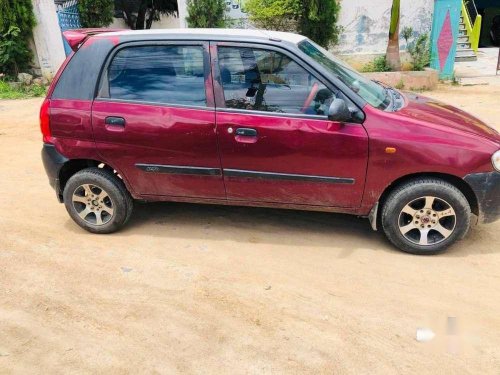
(427, 221)
(93, 204)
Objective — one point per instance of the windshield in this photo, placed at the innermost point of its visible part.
(373, 93)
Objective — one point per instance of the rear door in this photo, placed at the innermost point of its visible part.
(276, 142)
(154, 120)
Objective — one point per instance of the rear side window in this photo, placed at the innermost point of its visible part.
(158, 74)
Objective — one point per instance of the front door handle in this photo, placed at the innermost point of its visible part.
(246, 132)
(115, 121)
(245, 135)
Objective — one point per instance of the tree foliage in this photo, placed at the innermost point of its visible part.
(96, 13)
(207, 13)
(16, 28)
(418, 46)
(281, 15)
(316, 19)
(379, 64)
(140, 14)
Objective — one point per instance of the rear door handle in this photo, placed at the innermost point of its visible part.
(115, 121)
(246, 132)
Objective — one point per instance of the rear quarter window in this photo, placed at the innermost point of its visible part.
(78, 81)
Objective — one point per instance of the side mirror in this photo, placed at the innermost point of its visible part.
(339, 112)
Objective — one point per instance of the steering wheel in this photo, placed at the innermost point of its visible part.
(310, 97)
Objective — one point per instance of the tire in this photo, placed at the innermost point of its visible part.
(97, 200)
(425, 216)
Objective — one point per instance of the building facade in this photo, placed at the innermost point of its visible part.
(365, 26)
(366, 23)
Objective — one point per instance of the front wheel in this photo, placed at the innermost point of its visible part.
(425, 216)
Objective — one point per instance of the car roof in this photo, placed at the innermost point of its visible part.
(213, 34)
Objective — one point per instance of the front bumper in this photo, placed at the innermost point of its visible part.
(53, 161)
(486, 186)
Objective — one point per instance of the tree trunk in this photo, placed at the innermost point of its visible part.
(129, 19)
(152, 15)
(141, 16)
(128, 14)
(149, 20)
(392, 54)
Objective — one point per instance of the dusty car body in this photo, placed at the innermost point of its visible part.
(246, 117)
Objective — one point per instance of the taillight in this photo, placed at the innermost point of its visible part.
(45, 121)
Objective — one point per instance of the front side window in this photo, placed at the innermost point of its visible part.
(264, 80)
(158, 74)
(370, 91)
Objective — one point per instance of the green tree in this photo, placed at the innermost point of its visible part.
(392, 54)
(16, 29)
(140, 14)
(96, 13)
(207, 13)
(281, 15)
(418, 46)
(318, 21)
(4, 15)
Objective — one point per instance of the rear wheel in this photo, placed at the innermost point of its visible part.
(425, 216)
(97, 200)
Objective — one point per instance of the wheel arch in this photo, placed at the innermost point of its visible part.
(459, 183)
(73, 166)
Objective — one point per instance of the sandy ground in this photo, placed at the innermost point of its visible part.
(209, 289)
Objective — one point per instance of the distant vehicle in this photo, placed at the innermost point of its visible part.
(254, 118)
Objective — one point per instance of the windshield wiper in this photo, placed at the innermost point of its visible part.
(396, 94)
(387, 93)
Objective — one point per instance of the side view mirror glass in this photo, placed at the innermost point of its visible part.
(339, 112)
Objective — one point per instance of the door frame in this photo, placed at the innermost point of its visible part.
(221, 108)
(207, 72)
(220, 104)
(101, 95)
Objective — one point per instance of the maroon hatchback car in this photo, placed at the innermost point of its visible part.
(258, 118)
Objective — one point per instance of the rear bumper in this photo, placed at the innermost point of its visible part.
(486, 186)
(53, 161)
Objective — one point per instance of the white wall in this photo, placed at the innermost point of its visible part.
(182, 6)
(366, 23)
(47, 37)
(48, 45)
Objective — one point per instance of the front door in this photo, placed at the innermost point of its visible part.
(154, 120)
(276, 142)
